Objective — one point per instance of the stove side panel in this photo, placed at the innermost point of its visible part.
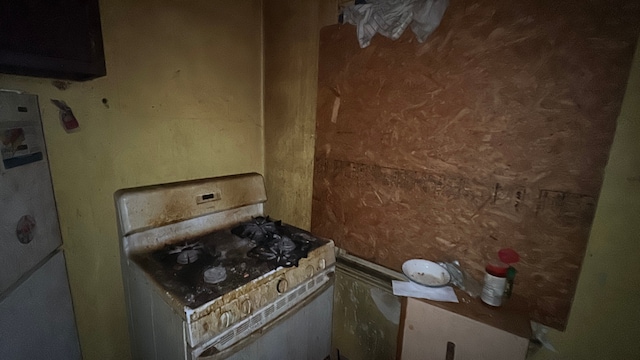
(156, 331)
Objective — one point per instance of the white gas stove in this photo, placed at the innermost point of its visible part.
(208, 276)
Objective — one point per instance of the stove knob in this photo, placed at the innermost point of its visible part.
(226, 319)
(246, 307)
(256, 302)
(282, 286)
(322, 264)
(310, 270)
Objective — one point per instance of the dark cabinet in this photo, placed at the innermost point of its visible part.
(60, 39)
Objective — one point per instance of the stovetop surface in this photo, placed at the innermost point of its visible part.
(180, 267)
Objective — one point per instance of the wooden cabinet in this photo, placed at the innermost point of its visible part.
(431, 332)
(60, 39)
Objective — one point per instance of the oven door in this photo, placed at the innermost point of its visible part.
(303, 332)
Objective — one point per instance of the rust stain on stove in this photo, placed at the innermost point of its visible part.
(174, 208)
(250, 283)
(259, 293)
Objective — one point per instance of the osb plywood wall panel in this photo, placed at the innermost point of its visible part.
(494, 133)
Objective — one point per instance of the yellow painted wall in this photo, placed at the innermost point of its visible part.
(291, 44)
(605, 316)
(184, 91)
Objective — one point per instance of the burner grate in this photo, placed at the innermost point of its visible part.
(274, 242)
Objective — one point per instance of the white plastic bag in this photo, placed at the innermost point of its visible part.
(391, 17)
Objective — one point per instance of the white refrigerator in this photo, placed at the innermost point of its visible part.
(36, 313)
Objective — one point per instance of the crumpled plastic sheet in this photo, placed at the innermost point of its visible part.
(390, 18)
(540, 336)
(462, 279)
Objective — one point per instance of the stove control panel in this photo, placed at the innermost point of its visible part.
(214, 318)
(260, 317)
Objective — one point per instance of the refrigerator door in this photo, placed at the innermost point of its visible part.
(37, 317)
(29, 229)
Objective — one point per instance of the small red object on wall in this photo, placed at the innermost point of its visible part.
(69, 120)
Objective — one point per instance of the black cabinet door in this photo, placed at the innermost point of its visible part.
(51, 38)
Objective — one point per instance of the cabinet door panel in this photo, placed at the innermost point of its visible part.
(431, 333)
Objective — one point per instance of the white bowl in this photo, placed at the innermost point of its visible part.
(425, 272)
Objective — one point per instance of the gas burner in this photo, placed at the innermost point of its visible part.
(215, 275)
(187, 254)
(284, 249)
(260, 229)
(282, 244)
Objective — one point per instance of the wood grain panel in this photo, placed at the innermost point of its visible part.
(494, 133)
